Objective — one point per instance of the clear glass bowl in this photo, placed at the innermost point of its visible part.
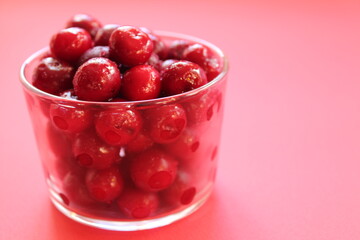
(65, 156)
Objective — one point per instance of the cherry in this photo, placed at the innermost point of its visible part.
(166, 123)
(58, 142)
(196, 53)
(200, 163)
(53, 76)
(71, 119)
(141, 82)
(138, 204)
(182, 76)
(98, 79)
(103, 34)
(181, 192)
(130, 46)
(75, 192)
(97, 51)
(177, 48)
(90, 151)
(62, 166)
(104, 185)
(212, 68)
(70, 43)
(155, 61)
(153, 170)
(198, 109)
(200, 55)
(118, 126)
(160, 48)
(186, 146)
(166, 64)
(87, 22)
(140, 143)
(201, 108)
(68, 94)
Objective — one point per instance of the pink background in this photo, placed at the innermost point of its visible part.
(290, 155)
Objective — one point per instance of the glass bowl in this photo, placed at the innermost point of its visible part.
(158, 177)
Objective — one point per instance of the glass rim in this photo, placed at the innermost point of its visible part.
(160, 100)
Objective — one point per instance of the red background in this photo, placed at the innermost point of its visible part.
(290, 157)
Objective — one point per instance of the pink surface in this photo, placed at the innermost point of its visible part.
(290, 156)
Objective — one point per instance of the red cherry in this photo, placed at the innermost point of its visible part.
(153, 170)
(140, 143)
(160, 48)
(90, 151)
(138, 204)
(87, 22)
(98, 79)
(141, 82)
(199, 165)
(130, 46)
(201, 108)
(197, 109)
(97, 51)
(212, 68)
(166, 123)
(181, 192)
(177, 48)
(118, 126)
(103, 34)
(69, 44)
(182, 76)
(75, 191)
(196, 53)
(62, 166)
(155, 61)
(53, 76)
(200, 55)
(59, 143)
(69, 118)
(104, 185)
(186, 146)
(166, 64)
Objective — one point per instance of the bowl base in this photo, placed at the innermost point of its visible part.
(123, 225)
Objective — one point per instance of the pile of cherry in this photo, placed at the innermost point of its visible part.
(119, 155)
